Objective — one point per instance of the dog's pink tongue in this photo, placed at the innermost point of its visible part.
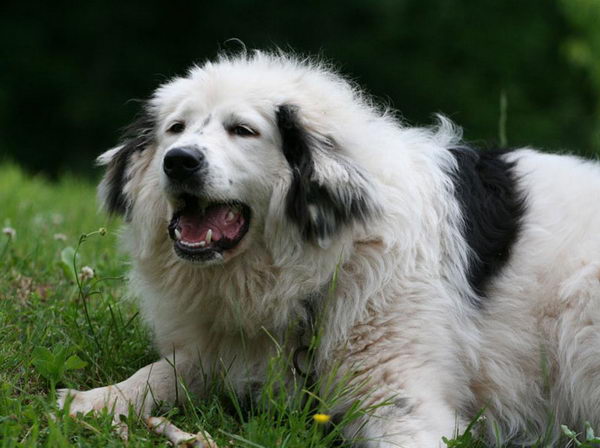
(224, 221)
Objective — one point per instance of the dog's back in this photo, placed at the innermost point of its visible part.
(540, 326)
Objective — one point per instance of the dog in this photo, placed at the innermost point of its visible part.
(465, 280)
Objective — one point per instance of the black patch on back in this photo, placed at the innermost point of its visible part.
(334, 209)
(136, 137)
(486, 187)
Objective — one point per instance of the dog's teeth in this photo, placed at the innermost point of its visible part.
(208, 236)
(202, 243)
(230, 216)
(177, 234)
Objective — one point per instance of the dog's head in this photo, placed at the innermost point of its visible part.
(242, 152)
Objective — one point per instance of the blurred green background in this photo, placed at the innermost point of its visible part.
(69, 70)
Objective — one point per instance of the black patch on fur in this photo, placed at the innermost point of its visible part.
(136, 137)
(330, 211)
(486, 187)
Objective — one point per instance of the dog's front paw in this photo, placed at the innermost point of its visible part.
(109, 397)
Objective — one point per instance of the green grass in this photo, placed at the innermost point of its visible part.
(54, 334)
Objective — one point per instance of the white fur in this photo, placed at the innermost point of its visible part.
(400, 316)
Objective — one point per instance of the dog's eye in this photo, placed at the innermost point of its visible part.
(176, 128)
(243, 130)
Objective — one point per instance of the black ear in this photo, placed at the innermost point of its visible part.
(327, 191)
(136, 138)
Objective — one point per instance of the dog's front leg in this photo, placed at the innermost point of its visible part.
(155, 383)
(407, 384)
(400, 424)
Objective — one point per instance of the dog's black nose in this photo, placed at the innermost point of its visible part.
(180, 163)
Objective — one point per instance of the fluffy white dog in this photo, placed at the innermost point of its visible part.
(464, 279)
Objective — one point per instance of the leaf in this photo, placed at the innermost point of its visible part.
(53, 365)
(66, 263)
(589, 432)
(570, 434)
(44, 362)
(42, 354)
(566, 431)
(74, 362)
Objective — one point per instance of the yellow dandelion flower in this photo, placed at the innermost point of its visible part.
(321, 418)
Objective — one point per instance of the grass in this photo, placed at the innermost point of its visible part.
(54, 333)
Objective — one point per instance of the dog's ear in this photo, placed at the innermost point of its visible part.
(137, 137)
(328, 191)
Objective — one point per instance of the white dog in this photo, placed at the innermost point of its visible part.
(464, 279)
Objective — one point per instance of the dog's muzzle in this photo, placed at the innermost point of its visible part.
(202, 229)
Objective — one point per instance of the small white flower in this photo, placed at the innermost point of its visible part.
(60, 237)
(86, 273)
(9, 232)
(57, 219)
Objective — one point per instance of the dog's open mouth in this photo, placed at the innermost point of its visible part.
(203, 230)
